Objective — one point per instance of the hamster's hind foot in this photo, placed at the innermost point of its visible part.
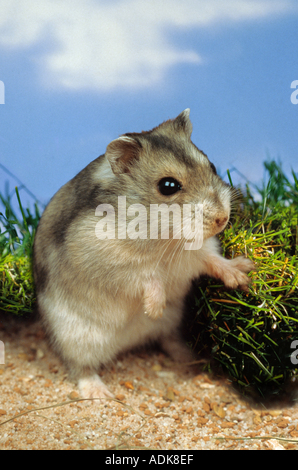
(177, 349)
(93, 387)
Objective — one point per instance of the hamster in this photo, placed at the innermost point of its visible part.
(100, 291)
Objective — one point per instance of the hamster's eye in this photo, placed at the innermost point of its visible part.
(213, 168)
(168, 186)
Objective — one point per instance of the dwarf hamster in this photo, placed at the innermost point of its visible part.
(103, 284)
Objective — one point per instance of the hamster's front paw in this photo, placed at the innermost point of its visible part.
(231, 271)
(234, 274)
(154, 311)
(154, 299)
(93, 387)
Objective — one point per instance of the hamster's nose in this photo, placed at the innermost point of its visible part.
(221, 221)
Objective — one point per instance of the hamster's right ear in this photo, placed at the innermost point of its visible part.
(122, 153)
(182, 123)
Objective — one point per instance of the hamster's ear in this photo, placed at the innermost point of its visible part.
(121, 153)
(182, 123)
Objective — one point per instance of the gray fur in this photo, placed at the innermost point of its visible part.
(100, 297)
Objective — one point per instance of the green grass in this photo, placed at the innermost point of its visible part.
(17, 294)
(249, 334)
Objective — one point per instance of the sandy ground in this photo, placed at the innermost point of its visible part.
(160, 405)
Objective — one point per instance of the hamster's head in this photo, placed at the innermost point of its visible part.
(163, 166)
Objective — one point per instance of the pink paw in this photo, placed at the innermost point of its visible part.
(93, 387)
(235, 273)
(154, 299)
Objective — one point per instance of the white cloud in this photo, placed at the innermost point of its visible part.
(111, 44)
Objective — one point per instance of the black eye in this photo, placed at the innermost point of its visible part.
(168, 186)
(213, 168)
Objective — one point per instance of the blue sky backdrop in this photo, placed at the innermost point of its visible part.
(78, 73)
